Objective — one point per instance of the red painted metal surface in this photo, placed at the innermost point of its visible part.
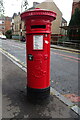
(38, 32)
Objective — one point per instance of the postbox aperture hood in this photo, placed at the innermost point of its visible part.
(38, 13)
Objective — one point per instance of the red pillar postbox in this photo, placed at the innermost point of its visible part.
(38, 32)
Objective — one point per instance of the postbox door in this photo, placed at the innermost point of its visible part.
(38, 59)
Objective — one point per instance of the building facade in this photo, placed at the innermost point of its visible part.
(2, 24)
(18, 26)
(5, 24)
(63, 25)
(50, 5)
(76, 4)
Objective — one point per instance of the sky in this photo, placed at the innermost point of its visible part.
(12, 6)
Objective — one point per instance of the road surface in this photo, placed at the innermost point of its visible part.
(64, 66)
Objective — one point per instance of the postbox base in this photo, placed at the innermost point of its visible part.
(38, 95)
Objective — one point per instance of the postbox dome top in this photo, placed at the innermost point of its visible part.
(38, 12)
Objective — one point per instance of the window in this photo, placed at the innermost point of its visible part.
(3, 22)
(3, 27)
(20, 26)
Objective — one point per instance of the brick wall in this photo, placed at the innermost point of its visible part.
(7, 23)
(74, 6)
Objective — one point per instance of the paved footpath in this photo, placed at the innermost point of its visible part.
(15, 104)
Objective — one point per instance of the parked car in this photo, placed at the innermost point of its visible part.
(23, 39)
(2, 37)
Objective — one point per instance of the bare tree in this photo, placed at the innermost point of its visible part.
(24, 5)
(1, 7)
